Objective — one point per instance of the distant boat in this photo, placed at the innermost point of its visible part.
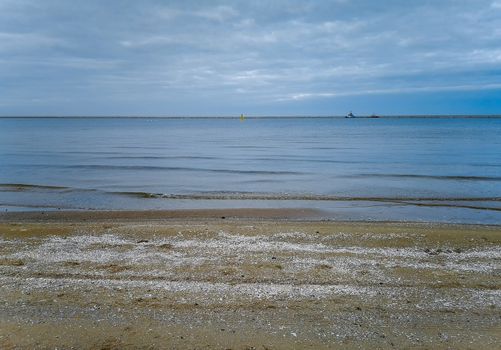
(350, 115)
(374, 116)
(242, 117)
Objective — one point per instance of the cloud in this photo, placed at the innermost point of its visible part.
(251, 53)
(403, 90)
(496, 4)
(12, 42)
(218, 13)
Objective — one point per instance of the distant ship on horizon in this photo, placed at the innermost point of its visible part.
(351, 115)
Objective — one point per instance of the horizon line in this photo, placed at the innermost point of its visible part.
(255, 116)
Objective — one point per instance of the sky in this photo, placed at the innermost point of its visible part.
(260, 57)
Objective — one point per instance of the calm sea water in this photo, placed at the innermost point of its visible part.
(440, 169)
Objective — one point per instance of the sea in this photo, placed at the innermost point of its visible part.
(432, 169)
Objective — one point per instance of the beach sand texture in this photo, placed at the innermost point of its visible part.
(126, 281)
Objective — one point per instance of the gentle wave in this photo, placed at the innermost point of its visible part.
(233, 195)
(476, 203)
(249, 146)
(162, 157)
(265, 159)
(311, 160)
(308, 197)
(27, 187)
(432, 177)
(417, 201)
(156, 167)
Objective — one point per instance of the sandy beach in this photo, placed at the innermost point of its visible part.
(245, 279)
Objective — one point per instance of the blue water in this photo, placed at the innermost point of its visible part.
(400, 166)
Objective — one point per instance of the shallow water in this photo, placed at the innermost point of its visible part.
(388, 168)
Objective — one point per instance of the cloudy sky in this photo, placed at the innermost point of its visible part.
(270, 57)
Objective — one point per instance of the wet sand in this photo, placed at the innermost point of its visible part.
(245, 279)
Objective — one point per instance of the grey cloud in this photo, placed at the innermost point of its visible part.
(14, 42)
(252, 53)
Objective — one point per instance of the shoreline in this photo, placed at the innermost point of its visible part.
(143, 215)
(304, 215)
